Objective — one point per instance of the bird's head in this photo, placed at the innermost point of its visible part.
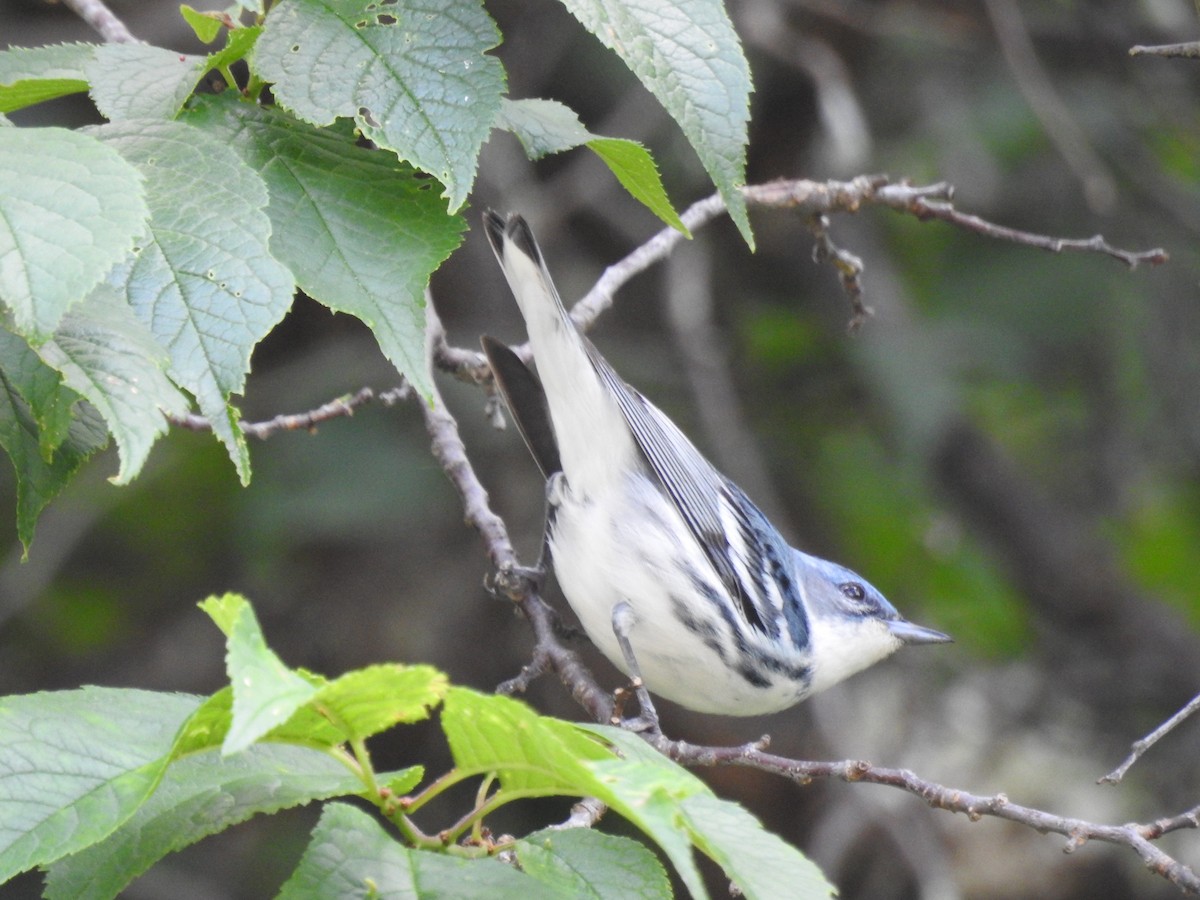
(851, 624)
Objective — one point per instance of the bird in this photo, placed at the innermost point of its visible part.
(674, 573)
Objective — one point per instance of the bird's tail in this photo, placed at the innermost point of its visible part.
(587, 421)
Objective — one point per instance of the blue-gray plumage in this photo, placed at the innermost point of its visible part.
(674, 573)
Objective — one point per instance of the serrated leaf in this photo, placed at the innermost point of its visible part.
(687, 55)
(41, 477)
(367, 701)
(136, 81)
(351, 856)
(542, 126)
(669, 803)
(205, 25)
(758, 862)
(527, 752)
(547, 126)
(70, 208)
(108, 356)
(415, 77)
(635, 169)
(266, 693)
(76, 765)
(583, 862)
(50, 402)
(361, 233)
(30, 75)
(204, 280)
(199, 795)
(238, 43)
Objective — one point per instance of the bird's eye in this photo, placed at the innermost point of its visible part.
(853, 590)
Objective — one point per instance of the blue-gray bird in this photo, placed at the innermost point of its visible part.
(675, 575)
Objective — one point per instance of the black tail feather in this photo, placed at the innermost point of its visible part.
(526, 400)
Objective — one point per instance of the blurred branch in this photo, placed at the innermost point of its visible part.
(101, 19)
(1099, 188)
(1140, 747)
(1190, 50)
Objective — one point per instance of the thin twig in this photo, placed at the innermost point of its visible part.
(1140, 747)
(305, 421)
(102, 20)
(1190, 50)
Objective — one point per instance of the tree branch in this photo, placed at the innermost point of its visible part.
(1141, 746)
(1078, 832)
(305, 421)
(102, 20)
(1190, 50)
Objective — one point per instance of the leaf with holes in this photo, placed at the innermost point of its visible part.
(415, 76)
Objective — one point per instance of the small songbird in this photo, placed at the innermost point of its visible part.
(675, 575)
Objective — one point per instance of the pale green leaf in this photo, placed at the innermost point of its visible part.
(547, 126)
(585, 863)
(204, 280)
(135, 81)
(542, 126)
(351, 856)
(415, 77)
(677, 810)
(108, 356)
(266, 693)
(199, 795)
(758, 862)
(76, 764)
(30, 75)
(361, 232)
(70, 208)
(367, 701)
(687, 55)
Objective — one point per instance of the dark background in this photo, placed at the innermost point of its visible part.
(1009, 449)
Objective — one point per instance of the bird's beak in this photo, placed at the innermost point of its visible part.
(916, 634)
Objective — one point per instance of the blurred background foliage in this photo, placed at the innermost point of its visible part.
(1009, 449)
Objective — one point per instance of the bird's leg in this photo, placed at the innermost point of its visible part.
(623, 620)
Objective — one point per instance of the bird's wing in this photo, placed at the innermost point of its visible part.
(749, 556)
(526, 401)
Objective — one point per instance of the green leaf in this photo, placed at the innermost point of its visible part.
(361, 232)
(367, 701)
(76, 765)
(687, 55)
(70, 208)
(44, 462)
(669, 803)
(30, 75)
(266, 693)
(583, 862)
(238, 43)
(110, 357)
(204, 280)
(206, 25)
(547, 126)
(135, 81)
(415, 77)
(529, 753)
(542, 126)
(635, 169)
(50, 402)
(201, 794)
(351, 856)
